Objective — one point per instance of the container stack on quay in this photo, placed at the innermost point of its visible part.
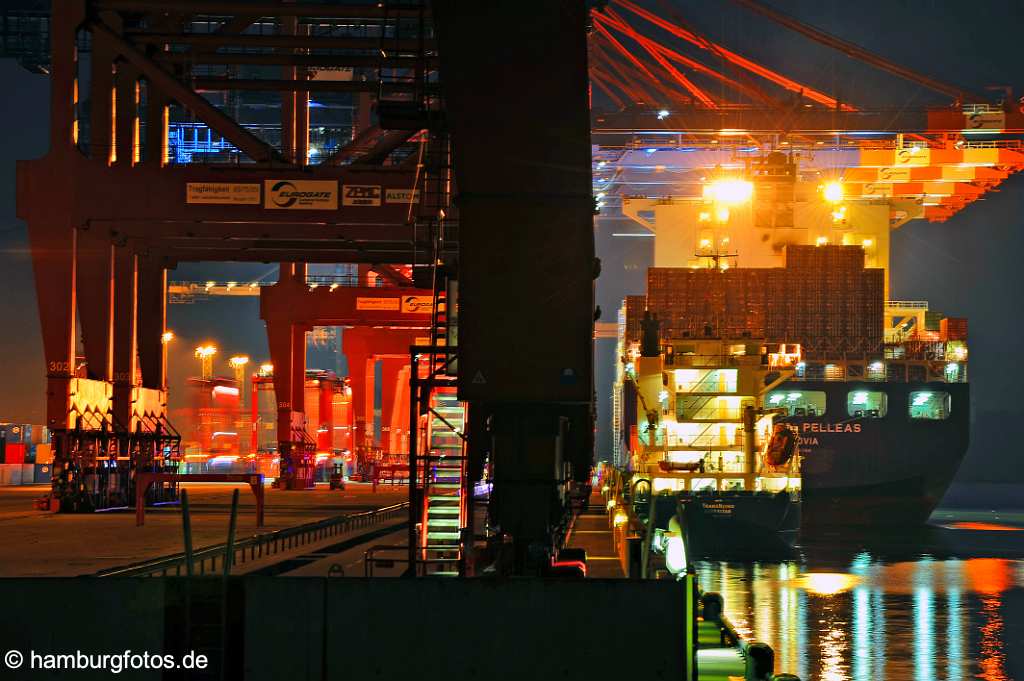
(25, 454)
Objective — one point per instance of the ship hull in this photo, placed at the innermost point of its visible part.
(735, 524)
(878, 472)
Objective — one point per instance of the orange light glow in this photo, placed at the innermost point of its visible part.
(989, 576)
(986, 527)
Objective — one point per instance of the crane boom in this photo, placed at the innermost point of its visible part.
(855, 51)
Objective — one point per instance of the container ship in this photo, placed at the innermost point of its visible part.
(786, 275)
(727, 503)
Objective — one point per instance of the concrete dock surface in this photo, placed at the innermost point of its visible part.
(43, 544)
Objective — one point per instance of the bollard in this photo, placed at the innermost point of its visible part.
(711, 607)
(760, 662)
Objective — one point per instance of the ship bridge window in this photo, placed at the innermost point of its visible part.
(868, 404)
(798, 402)
(929, 404)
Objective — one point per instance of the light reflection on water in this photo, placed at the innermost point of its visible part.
(872, 618)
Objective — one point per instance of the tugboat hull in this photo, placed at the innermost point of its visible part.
(723, 524)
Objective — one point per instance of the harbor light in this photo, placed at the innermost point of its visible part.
(729, 192)
(205, 353)
(206, 350)
(833, 192)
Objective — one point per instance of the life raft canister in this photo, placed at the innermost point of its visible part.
(781, 446)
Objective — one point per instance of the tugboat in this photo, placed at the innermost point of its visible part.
(719, 459)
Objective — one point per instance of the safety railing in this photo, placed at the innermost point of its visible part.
(372, 559)
(210, 560)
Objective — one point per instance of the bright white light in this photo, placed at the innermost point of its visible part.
(730, 192)
(860, 397)
(225, 390)
(651, 150)
(921, 398)
(821, 241)
(675, 549)
(876, 366)
(663, 114)
(833, 192)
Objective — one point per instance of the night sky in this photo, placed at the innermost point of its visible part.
(968, 266)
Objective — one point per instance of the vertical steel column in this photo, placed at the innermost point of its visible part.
(152, 322)
(414, 499)
(45, 195)
(125, 332)
(103, 95)
(301, 110)
(391, 371)
(95, 252)
(279, 338)
(363, 114)
(369, 437)
(298, 370)
(288, 99)
(126, 115)
(96, 300)
(356, 346)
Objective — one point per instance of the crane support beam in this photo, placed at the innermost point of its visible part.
(616, 22)
(854, 51)
(251, 145)
(703, 43)
(261, 9)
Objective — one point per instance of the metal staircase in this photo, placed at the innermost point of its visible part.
(444, 489)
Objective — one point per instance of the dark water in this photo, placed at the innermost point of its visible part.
(945, 602)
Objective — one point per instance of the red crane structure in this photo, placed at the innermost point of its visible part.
(109, 212)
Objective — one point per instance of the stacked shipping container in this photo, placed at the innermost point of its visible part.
(823, 299)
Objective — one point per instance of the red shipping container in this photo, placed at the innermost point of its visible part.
(14, 453)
